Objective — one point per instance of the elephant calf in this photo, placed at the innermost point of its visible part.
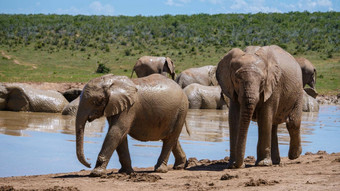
(15, 97)
(205, 97)
(148, 109)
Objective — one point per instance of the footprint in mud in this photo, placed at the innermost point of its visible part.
(228, 177)
(135, 177)
(260, 182)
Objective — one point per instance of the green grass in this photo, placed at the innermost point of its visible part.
(80, 66)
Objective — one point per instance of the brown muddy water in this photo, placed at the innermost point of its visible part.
(43, 143)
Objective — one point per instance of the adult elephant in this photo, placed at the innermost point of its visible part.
(205, 97)
(17, 97)
(148, 109)
(147, 65)
(204, 75)
(308, 75)
(264, 86)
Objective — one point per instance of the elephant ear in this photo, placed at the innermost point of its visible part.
(212, 75)
(273, 72)
(224, 73)
(122, 94)
(170, 65)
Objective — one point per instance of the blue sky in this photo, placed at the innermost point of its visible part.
(161, 7)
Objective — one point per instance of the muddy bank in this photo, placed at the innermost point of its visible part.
(62, 87)
(318, 171)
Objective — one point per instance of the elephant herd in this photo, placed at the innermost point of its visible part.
(263, 84)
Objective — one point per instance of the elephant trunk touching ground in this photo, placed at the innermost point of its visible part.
(80, 127)
(248, 99)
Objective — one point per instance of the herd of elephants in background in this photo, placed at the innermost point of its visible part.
(263, 84)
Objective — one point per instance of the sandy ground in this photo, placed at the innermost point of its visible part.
(318, 171)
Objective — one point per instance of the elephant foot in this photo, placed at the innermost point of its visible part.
(98, 172)
(180, 165)
(276, 160)
(294, 153)
(264, 162)
(162, 168)
(233, 165)
(126, 170)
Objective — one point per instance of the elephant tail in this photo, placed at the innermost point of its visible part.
(187, 127)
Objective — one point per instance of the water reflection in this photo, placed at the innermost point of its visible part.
(18, 123)
(42, 138)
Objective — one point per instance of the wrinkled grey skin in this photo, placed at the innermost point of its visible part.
(307, 68)
(264, 86)
(204, 75)
(71, 108)
(310, 104)
(148, 109)
(205, 97)
(148, 65)
(16, 97)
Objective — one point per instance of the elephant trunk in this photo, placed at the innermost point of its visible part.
(246, 113)
(80, 127)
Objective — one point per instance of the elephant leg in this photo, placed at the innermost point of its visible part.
(180, 157)
(162, 162)
(275, 152)
(264, 122)
(112, 140)
(293, 126)
(124, 157)
(234, 118)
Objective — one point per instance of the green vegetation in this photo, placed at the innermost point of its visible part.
(64, 48)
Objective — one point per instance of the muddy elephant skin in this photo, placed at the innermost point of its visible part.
(15, 97)
(205, 97)
(148, 109)
(264, 85)
(205, 75)
(147, 65)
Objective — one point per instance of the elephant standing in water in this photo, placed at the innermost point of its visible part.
(148, 65)
(148, 109)
(18, 97)
(205, 97)
(264, 86)
(204, 75)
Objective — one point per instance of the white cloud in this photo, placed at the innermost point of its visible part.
(177, 3)
(311, 5)
(99, 9)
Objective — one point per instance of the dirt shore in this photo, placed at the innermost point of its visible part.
(318, 171)
(62, 87)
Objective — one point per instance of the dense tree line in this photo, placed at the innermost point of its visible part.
(297, 32)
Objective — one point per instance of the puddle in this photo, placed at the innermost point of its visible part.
(43, 143)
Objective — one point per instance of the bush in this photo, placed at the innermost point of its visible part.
(102, 69)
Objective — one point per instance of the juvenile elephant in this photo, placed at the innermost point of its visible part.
(147, 65)
(148, 109)
(205, 97)
(204, 75)
(17, 97)
(264, 86)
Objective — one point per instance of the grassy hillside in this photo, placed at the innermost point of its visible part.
(63, 48)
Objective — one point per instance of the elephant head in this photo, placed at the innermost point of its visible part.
(169, 67)
(103, 96)
(308, 75)
(246, 79)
